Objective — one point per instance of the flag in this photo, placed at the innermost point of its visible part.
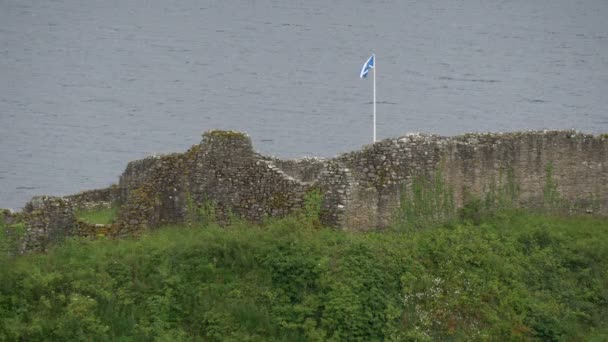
(368, 65)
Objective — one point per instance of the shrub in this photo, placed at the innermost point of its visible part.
(510, 276)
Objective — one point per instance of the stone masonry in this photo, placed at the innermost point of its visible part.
(361, 189)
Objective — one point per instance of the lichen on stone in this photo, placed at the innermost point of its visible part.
(223, 134)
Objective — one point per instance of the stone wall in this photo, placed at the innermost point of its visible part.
(474, 163)
(577, 163)
(222, 170)
(304, 169)
(91, 199)
(136, 174)
(361, 189)
(48, 221)
(227, 172)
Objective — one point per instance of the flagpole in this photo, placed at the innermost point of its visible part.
(374, 96)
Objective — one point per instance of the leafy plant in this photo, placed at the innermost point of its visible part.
(552, 201)
(311, 211)
(510, 276)
(428, 202)
(201, 214)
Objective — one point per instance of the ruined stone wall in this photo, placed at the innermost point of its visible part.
(303, 169)
(136, 174)
(381, 171)
(576, 163)
(96, 198)
(151, 194)
(337, 186)
(48, 221)
(227, 172)
(361, 189)
(474, 163)
(223, 170)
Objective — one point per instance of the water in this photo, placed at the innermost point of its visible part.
(87, 86)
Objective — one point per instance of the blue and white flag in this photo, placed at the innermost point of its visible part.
(368, 65)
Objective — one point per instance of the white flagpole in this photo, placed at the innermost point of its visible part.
(374, 97)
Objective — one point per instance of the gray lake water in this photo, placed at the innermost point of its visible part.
(87, 86)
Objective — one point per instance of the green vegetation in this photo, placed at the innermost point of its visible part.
(551, 199)
(97, 215)
(197, 215)
(310, 216)
(427, 203)
(10, 235)
(508, 275)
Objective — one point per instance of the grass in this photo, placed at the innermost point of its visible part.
(510, 275)
(97, 215)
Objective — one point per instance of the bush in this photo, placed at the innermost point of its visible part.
(510, 276)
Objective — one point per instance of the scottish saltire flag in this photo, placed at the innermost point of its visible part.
(368, 65)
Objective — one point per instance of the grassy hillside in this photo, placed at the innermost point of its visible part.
(508, 276)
